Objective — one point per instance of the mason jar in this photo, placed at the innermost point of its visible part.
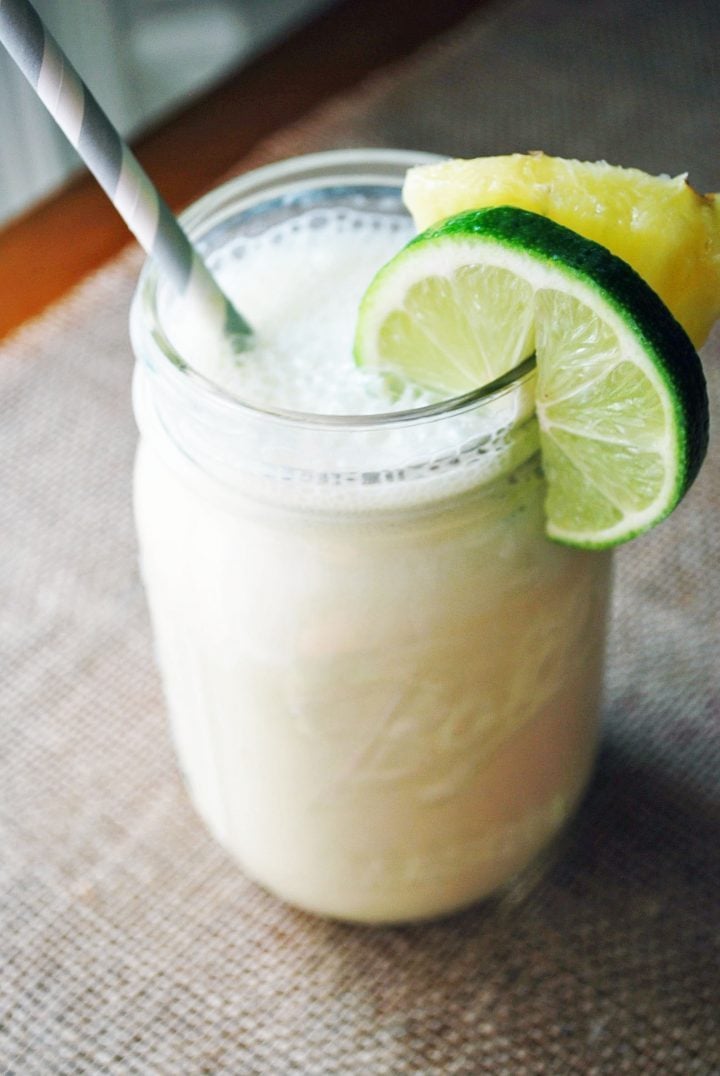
(383, 680)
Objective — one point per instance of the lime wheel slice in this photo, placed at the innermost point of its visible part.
(621, 399)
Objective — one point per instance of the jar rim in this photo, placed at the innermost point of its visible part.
(368, 167)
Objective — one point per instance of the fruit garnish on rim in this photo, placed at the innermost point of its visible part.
(621, 402)
(668, 232)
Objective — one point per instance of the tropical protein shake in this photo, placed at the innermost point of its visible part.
(383, 680)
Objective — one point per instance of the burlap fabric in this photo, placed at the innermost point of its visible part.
(129, 943)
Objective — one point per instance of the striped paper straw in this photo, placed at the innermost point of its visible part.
(114, 165)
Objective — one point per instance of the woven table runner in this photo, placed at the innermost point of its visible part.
(129, 942)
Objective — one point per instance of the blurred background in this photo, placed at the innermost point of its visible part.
(142, 58)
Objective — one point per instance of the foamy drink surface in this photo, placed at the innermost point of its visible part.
(300, 283)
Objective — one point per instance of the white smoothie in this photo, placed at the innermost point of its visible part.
(382, 679)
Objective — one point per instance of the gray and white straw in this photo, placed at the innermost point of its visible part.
(111, 161)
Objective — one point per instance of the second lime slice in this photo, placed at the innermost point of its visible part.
(621, 399)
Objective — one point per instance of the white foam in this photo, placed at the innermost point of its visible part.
(300, 284)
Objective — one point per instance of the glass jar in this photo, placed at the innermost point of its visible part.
(383, 680)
